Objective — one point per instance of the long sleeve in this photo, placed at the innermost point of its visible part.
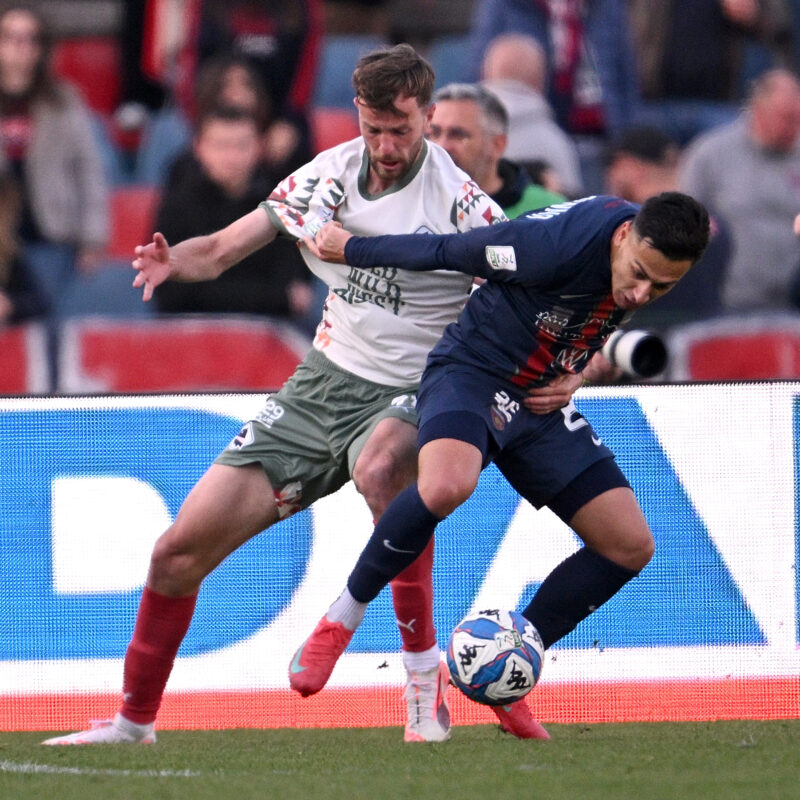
(518, 251)
(460, 252)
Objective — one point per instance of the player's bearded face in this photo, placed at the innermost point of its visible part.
(393, 141)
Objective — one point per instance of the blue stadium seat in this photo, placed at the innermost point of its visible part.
(167, 135)
(110, 155)
(338, 57)
(107, 291)
(449, 56)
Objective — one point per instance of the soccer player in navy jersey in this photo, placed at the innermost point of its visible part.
(558, 283)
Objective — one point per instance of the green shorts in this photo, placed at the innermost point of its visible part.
(308, 435)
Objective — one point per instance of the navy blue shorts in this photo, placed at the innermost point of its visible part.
(550, 459)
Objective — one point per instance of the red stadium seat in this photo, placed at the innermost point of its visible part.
(133, 211)
(332, 126)
(23, 360)
(93, 63)
(748, 348)
(101, 354)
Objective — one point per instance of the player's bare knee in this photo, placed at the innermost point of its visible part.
(635, 553)
(380, 479)
(647, 548)
(175, 569)
(444, 494)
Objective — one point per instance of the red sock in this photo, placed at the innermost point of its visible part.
(412, 595)
(161, 624)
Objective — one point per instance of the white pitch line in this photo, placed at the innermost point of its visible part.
(28, 768)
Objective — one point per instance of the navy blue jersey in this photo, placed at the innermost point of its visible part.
(546, 306)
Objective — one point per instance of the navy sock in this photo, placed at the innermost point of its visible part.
(578, 586)
(402, 533)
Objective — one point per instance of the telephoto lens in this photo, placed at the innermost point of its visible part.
(639, 354)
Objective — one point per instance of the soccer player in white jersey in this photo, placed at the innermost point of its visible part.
(347, 412)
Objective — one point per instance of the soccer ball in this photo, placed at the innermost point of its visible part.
(495, 657)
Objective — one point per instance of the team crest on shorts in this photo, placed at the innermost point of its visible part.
(497, 419)
(503, 410)
(244, 437)
(406, 402)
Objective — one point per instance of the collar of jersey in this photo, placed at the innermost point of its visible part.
(395, 187)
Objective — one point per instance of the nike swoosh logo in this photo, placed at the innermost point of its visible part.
(296, 666)
(573, 296)
(388, 545)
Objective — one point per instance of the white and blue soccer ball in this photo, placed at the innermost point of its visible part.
(495, 657)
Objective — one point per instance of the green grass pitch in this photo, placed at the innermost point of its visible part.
(653, 761)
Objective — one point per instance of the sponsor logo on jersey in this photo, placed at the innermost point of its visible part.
(571, 358)
(377, 286)
(553, 322)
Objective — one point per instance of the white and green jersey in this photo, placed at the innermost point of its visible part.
(380, 323)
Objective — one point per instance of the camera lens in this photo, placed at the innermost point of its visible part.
(638, 353)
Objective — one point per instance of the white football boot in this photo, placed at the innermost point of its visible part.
(428, 712)
(109, 731)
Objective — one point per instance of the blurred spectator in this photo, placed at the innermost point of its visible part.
(224, 80)
(515, 69)
(20, 296)
(137, 87)
(691, 57)
(282, 40)
(48, 145)
(357, 17)
(470, 123)
(233, 80)
(641, 162)
(222, 179)
(592, 84)
(748, 172)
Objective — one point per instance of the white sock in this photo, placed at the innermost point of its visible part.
(347, 610)
(422, 662)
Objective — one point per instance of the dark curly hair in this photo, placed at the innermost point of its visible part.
(380, 77)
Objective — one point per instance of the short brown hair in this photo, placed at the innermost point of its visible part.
(383, 75)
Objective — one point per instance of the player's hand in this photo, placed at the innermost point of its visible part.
(328, 244)
(151, 265)
(555, 395)
(797, 225)
(601, 371)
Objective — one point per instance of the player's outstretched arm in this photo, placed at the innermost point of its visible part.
(201, 258)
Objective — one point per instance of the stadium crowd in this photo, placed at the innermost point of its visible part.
(111, 133)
